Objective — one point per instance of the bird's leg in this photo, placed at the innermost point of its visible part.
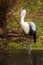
(30, 50)
(30, 40)
(30, 46)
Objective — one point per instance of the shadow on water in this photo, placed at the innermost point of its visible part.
(7, 57)
(20, 57)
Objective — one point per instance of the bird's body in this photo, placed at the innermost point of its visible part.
(28, 28)
(25, 27)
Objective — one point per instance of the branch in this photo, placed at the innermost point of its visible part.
(14, 37)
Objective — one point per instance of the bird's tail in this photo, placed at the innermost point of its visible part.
(34, 36)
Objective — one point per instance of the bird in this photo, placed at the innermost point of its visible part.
(29, 28)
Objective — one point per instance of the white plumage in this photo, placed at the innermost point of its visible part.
(33, 26)
(25, 27)
(28, 27)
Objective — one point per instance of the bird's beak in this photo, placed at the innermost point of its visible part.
(15, 13)
(19, 12)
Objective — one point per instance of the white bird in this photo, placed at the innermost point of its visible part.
(29, 28)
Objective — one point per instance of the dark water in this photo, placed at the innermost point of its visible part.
(7, 57)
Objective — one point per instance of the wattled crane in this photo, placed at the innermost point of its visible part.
(29, 28)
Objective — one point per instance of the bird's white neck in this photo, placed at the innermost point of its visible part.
(22, 19)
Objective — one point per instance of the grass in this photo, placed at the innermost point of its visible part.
(15, 45)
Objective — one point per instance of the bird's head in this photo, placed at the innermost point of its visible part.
(22, 12)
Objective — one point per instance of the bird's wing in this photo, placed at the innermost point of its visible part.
(33, 26)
